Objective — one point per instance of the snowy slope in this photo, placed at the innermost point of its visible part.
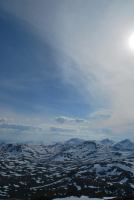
(74, 141)
(80, 198)
(84, 198)
(107, 142)
(124, 145)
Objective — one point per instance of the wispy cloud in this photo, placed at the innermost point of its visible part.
(61, 130)
(64, 119)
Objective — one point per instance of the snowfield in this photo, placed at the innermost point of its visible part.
(83, 198)
(76, 198)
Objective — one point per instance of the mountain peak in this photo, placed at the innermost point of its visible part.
(107, 142)
(74, 141)
(124, 145)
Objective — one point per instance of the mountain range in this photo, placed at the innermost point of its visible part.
(76, 167)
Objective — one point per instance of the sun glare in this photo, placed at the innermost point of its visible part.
(131, 42)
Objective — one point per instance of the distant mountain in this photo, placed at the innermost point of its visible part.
(107, 142)
(12, 148)
(124, 145)
(72, 168)
(74, 141)
(76, 150)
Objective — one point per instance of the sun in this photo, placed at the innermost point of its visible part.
(131, 41)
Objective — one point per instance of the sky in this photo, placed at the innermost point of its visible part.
(66, 70)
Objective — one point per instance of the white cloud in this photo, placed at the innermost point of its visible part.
(100, 115)
(64, 119)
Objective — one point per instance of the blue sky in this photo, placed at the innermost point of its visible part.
(31, 79)
(66, 60)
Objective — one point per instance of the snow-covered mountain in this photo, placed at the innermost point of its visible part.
(73, 168)
(124, 145)
(74, 141)
(107, 142)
